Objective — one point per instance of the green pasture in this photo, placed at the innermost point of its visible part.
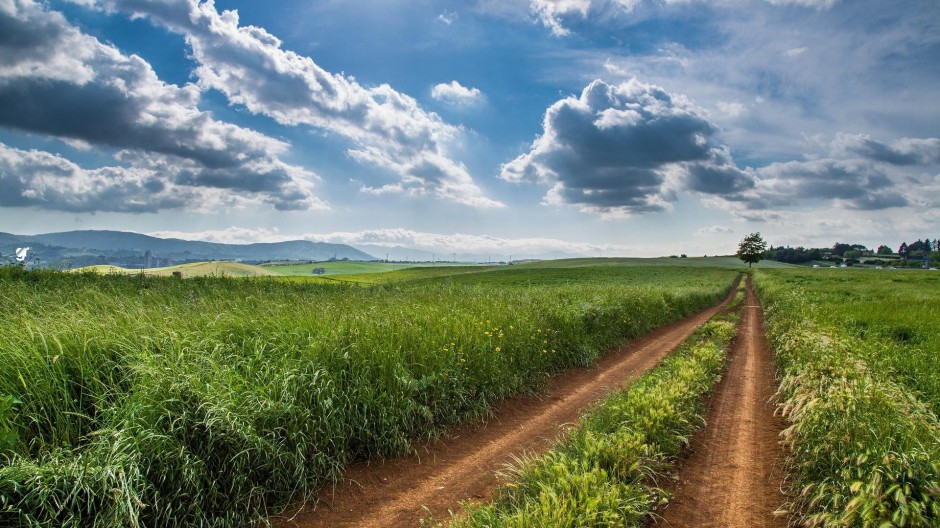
(133, 400)
(859, 369)
(350, 267)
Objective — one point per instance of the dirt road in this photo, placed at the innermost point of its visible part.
(462, 465)
(733, 477)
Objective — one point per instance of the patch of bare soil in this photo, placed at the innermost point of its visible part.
(463, 464)
(734, 475)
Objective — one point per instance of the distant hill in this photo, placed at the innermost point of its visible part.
(134, 250)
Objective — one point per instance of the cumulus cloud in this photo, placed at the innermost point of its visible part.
(551, 13)
(42, 179)
(249, 66)
(58, 81)
(852, 184)
(455, 94)
(905, 151)
(626, 149)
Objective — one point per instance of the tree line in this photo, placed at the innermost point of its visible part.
(844, 252)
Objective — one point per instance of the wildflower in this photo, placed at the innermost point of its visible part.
(499, 349)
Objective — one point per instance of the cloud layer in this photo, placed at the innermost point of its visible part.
(905, 151)
(441, 243)
(387, 128)
(56, 80)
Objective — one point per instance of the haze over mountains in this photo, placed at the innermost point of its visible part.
(74, 249)
(86, 248)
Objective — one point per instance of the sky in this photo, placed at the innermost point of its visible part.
(529, 128)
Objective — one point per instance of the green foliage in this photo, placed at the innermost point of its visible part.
(604, 473)
(751, 249)
(860, 394)
(147, 401)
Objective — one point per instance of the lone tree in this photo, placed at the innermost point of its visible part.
(751, 249)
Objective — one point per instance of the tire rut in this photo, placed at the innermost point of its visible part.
(734, 475)
(463, 464)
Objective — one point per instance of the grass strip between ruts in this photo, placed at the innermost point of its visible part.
(606, 471)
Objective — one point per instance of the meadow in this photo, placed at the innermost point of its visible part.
(340, 267)
(858, 364)
(213, 401)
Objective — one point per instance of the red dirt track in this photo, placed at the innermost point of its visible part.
(462, 465)
(733, 477)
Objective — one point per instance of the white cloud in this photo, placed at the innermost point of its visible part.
(35, 178)
(454, 93)
(231, 235)
(57, 81)
(551, 13)
(249, 66)
(795, 52)
(732, 109)
(614, 69)
(447, 18)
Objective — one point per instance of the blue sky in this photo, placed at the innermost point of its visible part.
(523, 127)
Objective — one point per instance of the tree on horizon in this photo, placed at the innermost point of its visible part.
(751, 249)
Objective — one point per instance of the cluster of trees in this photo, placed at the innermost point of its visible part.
(797, 255)
(753, 248)
(919, 249)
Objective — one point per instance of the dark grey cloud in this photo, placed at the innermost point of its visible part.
(57, 81)
(854, 184)
(626, 149)
(247, 64)
(905, 151)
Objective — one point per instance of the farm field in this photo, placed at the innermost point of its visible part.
(195, 269)
(697, 262)
(857, 353)
(350, 267)
(144, 401)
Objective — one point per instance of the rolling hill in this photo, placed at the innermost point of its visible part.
(134, 250)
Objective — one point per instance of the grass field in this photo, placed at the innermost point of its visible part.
(350, 268)
(606, 472)
(693, 262)
(195, 269)
(148, 401)
(396, 272)
(857, 351)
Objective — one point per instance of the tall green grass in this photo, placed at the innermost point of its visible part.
(136, 401)
(605, 473)
(864, 436)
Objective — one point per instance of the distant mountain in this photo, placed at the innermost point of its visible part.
(84, 248)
